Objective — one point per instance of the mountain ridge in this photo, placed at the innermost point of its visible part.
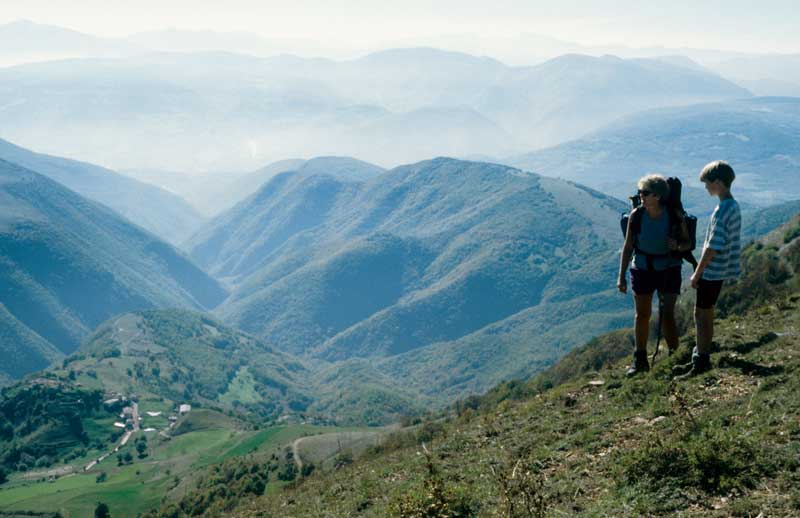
(757, 136)
(68, 263)
(152, 208)
(470, 244)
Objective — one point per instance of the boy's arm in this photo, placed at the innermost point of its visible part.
(705, 260)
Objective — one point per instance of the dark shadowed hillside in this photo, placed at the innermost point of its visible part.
(67, 264)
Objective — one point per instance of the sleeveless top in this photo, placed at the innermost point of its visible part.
(652, 239)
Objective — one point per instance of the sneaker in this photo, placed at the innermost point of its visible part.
(640, 364)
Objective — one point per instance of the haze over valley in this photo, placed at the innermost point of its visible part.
(235, 259)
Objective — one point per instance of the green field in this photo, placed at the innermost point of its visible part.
(170, 469)
(242, 389)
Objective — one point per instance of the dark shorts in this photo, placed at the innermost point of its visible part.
(645, 282)
(707, 293)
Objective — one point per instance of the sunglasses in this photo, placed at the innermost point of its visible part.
(645, 193)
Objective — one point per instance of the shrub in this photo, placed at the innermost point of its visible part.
(101, 511)
(792, 234)
(429, 430)
(763, 279)
(342, 459)
(436, 500)
(714, 461)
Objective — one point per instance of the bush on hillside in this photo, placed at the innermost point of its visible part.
(792, 233)
(763, 278)
(793, 256)
(715, 461)
(219, 490)
(436, 499)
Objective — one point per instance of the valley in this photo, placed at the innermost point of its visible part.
(236, 282)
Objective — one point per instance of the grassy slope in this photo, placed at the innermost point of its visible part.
(181, 356)
(721, 444)
(593, 443)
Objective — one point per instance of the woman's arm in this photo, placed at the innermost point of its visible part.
(625, 256)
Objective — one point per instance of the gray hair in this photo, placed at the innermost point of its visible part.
(656, 184)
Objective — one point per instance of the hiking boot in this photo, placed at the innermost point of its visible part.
(640, 364)
(683, 368)
(701, 363)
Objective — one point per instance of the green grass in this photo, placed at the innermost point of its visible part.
(255, 442)
(320, 450)
(242, 389)
(185, 456)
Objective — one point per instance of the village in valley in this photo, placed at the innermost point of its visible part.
(131, 421)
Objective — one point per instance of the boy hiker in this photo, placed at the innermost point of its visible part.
(720, 262)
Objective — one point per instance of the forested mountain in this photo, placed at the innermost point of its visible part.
(162, 213)
(68, 263)
(472, 257)
(759, 137)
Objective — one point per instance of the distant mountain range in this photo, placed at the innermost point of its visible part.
(766, 74)
(165, 214)
(760, 137)
(571, 95)
(390, 107)
(68, 263)
(431, 253)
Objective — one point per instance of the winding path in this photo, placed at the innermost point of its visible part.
(296, 454)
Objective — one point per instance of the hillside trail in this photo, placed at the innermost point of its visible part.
(55, 473)
(296, 454)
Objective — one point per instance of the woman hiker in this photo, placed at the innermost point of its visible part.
(654, 239)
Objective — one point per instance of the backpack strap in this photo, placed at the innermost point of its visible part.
(636, 222)
(636, 228)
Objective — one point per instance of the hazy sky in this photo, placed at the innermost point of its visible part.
(744, 25)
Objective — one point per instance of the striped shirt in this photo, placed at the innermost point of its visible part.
(723, 235)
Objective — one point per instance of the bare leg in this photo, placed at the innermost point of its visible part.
(704, 328)
(644, 305)
(669, 328)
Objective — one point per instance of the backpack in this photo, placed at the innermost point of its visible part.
(675, 212)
